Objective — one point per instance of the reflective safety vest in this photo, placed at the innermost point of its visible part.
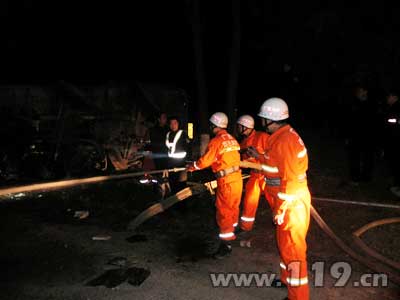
(172, 146)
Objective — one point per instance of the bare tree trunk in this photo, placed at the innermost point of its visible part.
(202, 105)
(201, 99)
(234, 65)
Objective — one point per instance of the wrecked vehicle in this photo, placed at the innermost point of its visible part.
(59, 129)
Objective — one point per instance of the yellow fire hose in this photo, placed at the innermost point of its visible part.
(196, 188)
(57, 185)
(193, 189)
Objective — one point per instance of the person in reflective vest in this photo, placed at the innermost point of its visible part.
(285, 163)
(255, 185)
(157, 142)
(177, 143)
(223, 156)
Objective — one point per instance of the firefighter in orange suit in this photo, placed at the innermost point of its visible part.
(223, 156)
(285, 163)
(255, 184)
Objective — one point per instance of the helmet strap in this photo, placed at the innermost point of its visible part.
(242, 129)
(267, 125)
(251, 131)
(212, 127)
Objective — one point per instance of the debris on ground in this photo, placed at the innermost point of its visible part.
(177, 246)
(81, 214)
(118, 261)
(101, 238)
(246, 243)
(19, 195)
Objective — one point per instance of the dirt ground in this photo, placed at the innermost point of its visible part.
(46, 253)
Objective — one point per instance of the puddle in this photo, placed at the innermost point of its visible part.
(194, 249)
(136, 276)
(110, 278)
(115, 277)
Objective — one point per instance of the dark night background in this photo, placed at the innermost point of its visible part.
(329, 46)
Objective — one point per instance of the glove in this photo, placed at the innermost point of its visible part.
(190, 167)
(252, 152)
(243, 151)
(278, 219)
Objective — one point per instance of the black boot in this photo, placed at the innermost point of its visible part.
(277, 283)
(224, 250)
(238, 231)
(242, 234)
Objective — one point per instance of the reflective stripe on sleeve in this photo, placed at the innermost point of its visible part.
(302, 153)
(302, 176)
(269, 169)
(178, 155)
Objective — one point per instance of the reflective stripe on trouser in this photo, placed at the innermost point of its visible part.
(291, 239)
(254, 186)
(227, 203)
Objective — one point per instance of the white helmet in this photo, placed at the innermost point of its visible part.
(274, 109)
(246, 121)
(219, 119)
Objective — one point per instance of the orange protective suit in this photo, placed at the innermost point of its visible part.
(286, 162)
(223, 156)
(255, 184)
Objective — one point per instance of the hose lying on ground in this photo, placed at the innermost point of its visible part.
(395, 278)
(374, 204)
(357, 234)
(165, 204)
(193, 189)
(199, 188)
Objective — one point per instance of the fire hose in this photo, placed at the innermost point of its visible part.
(394, 277)
(56, 185)
(368, 250)
(193, 189)
(196, 188)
